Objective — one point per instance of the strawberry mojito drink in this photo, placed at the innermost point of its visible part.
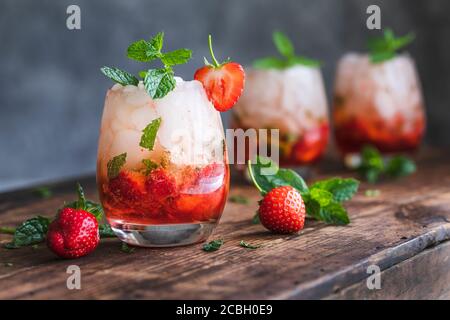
(162, 168)
(378, 99)
(288, 94)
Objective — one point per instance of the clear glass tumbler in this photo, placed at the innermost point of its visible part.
(173, 194)
(292, 100)
(378, 104)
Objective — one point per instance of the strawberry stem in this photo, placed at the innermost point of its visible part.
(7, 230)
(215, 62)
(250, 172)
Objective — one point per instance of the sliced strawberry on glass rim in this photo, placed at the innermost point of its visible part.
(223, 82)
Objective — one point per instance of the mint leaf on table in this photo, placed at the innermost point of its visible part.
(43, 192)
(149, 134)
(322, 199)
(159, 82)
(122, 77)
(373, 166)
(105, 231)
(288, 58)
(212, 245)
(341, 189)
(30, 232)
(115, 164)
(126, 248)
(283, 177)
(385, 47)
(400, 166)
(248, 245)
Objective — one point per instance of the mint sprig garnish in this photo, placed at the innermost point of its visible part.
(149, 134)
(373, 166)
(323, 199)
(287, 52)
(122, 77)
(115, 164)
(385, 47)
(158, 82)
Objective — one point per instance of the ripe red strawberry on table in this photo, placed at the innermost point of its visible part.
(73, 234)
(223, 82)
(282, 210)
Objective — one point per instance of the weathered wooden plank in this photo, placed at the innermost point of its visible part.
(409, 216)
(424, 276)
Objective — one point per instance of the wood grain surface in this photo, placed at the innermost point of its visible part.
(403, 231)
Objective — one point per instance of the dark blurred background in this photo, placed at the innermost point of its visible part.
(52, 92)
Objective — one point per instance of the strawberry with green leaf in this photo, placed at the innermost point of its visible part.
(322, 200)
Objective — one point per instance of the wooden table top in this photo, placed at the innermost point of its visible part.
(403, 231)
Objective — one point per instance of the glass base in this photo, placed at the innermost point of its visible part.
(169, 235)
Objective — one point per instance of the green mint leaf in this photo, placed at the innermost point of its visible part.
(175, 57)
(149, 166)
(400, 166)
(341, 189)
(142, 74)
(30, 232)
(81, 203)
(213, 245)
(159, 82)
(43, 192)
(333, 212)
(142, 51)
(126, 248)
(248, 246)
(92, 207)
(282, 177)
(321, 196)
(385, 47)
(283, 44)
(378, 57)
(255, 219)
(119, 76)
(238, 199)
(105, 231)
(260, 179)
(149, 134)
(269, 63)
(299, 60)
(372, 164)
(115, 164)
(157, 41)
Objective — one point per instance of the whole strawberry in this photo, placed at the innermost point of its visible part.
(73, 234)
(282, 210)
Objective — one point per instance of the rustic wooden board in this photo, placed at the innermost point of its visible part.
(394, 231)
